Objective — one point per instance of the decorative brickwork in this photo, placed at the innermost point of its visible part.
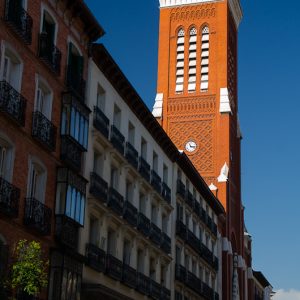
(193, 13)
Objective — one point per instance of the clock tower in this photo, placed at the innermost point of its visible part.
(197, 105)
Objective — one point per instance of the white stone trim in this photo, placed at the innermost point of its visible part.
(226, 245)
(225, 101)
(212, 187)
(158, 105)
(223, 177)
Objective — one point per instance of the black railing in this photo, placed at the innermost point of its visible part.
(132, 155)
(180, 188)
(143, 224)
(115, 201)
(155, 234)
(96, 258)
(101, 122)
(180, 273)
(165, 294)
(206, 254)
(130, 213)
(193, 282)
(98, 187)
(181, 230)
(178, 296)
(19, 20)
(12, 103)
(71, 152)
(9, 198)
(114, 267)
(67, 232)
(166, 192)
(207, 292)
(156, 181)
(143, 284)
(144, 168)
(44, 131)
(129, 276)
(49, 53)
(193, 241)
(155, 290)
(166, 243)
(38, 216)
(190, 199)
(117, 139)
(75, 82)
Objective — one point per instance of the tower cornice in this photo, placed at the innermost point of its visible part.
(234, 5)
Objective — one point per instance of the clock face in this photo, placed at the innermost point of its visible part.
(191, 146)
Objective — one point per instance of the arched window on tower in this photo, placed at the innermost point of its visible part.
(204, 59)
(180, 62)
(192, 59)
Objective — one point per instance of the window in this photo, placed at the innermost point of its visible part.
(194, 267)
(194, 227)
(75, 68)
(207, 277)
(142, 203)
(165, 174)
(155, 162)
(163, 275)
(192, 60)
(179, 212)
(144, 149)
(140, 261)
(129, 191)
(6, 159)
(187, 261)
(94, 231)
(43, 99)
(37, 181)
(187, 219)
(114, 177)
(165, 221)
(48, 30)
(126, 252)
(131, 133)
(111, 242)
(101, 98)
(152, 271)
(98, 163)
(154, 214)
(180, 62)
(117, 117)
(204, 59)
(178, 255)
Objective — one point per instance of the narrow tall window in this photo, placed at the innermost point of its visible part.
(131, 133)
(140, 261)
(101, 98)
(192, 59)
(144, 148)
(111, 242)
(117, 117)
(94, 231)
(6, 159)
(204, 59)
(126, 252)
(180, 62)
(37, 183)
(155, 162)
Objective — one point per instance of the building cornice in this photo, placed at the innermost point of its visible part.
(234, 5)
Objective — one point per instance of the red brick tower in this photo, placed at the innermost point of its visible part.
(197, 105)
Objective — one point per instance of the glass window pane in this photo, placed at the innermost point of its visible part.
(82, 210)
(78, 207)
(73, 204)
(77, 124)
(81, 140)
(86, 133)
(69, 201)
(72, 133)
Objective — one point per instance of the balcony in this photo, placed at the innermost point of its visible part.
(143, 284)
(166, 192)
(98, 187)
(206, 254)
(117, 139)
(156, 181)
(190, 199)
(178, 296)
(165, 294)
(144, 169)
(115, 201)
(49, 53)
(71, 152)
(155, 290)
(9, 199)
(67, 232)
(155, 234)
(101, 122)
(12, 103)
(180, 273)
(96, 258)
(129, 276)
(215, 263)
(216, 296)
(193, 282)
(166, 243)
(19, 20)
(38, 216)
(75, 82)
(180, 189)
(44, 131)
(132, 155)
(193, 241)
(143, 224)
(207, 292)
(130, 213)
(181, 230)
(114, 267)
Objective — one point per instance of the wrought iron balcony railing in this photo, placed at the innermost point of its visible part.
(207, 254)
(144, 169)
(114, 267)
(117, 139)
(190, 199)
(96, 258)
(193, 282)
(207, 292)
(129, 276)
(49, 53)
(180, 189)
(180, 273)
(143, 224)
(12, 103)
(98, 187)
(165, 294)
(166, 192)
(155, 290)
(181, 230)
(130, 213)
(9, 198)
(44, 131)
(67, 232)
(115, 201)
(71, 152)
(166, 243)
(38, 216)
(101, 122)
(156, 181)
(132, 155)
(155, 234)
(75, 82)
(19, 20)
(143, 284)
(193, 241)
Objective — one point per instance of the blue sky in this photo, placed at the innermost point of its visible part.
(269, 77)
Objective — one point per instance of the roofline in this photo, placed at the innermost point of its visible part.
(259, 276)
